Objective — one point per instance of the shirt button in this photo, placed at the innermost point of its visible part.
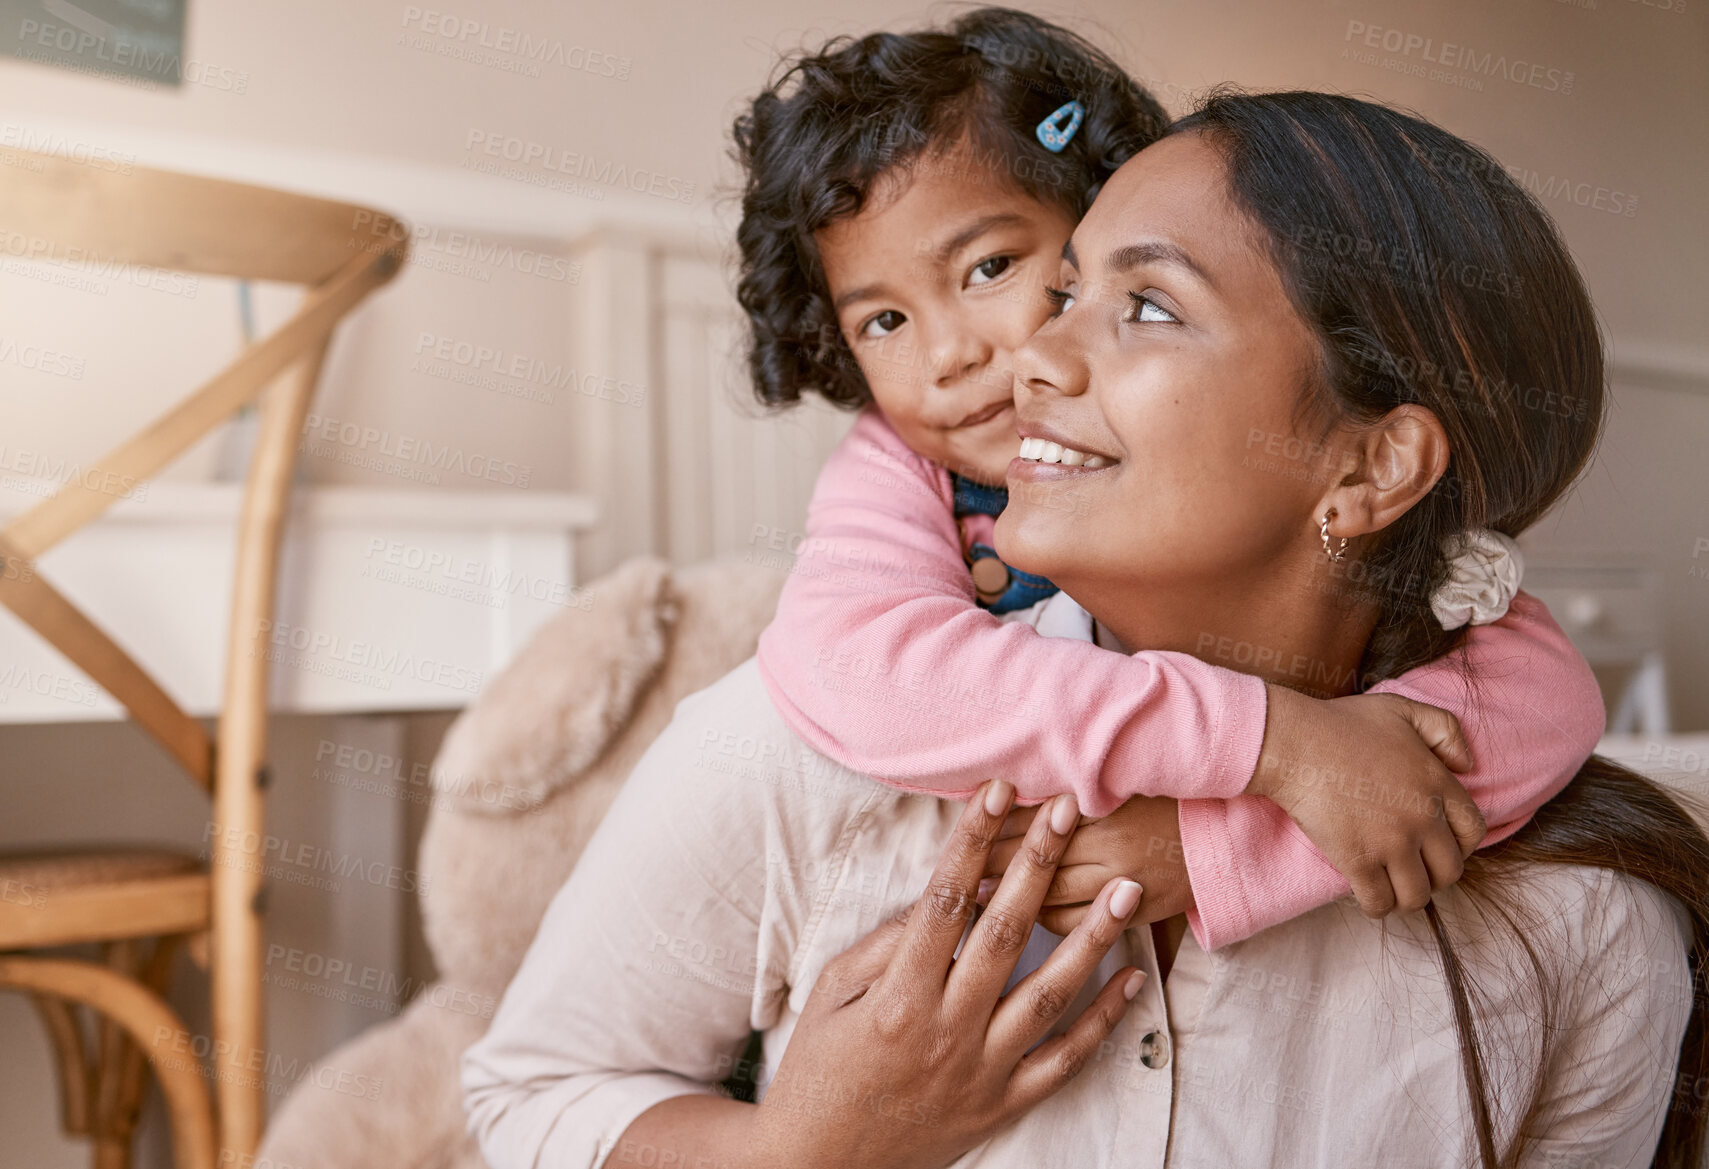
(1154, 1050)
(990, 578)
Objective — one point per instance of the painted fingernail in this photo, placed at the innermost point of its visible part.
(998, 797)
(1134, 982)
(987, 886)
(1124, 900)
(1063, 814)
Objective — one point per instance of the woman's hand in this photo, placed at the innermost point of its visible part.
(908, 1056)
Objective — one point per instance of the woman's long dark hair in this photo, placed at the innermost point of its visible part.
(1431, 278)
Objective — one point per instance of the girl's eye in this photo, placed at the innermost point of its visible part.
(1061, 298)
(988, 270)
(883, 324)
(1146, 309)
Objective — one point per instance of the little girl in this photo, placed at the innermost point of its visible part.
(907, 199)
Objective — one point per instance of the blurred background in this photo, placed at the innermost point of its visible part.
(554, 381)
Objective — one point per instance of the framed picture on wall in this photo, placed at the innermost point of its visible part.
(141, 40)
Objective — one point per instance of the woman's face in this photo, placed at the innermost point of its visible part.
(1178, 360)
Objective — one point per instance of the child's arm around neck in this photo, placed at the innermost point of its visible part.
(880, 658)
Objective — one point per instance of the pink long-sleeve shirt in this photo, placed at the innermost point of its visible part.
(880, 658)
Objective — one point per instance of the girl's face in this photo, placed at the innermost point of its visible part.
(1178, 360)
(937, 281)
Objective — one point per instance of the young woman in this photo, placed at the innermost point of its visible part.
(906, 198)
(1317, 268)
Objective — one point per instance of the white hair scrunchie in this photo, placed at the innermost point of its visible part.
(1484, 569)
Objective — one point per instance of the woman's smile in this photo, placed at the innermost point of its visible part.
(1049, 462)
(1045, 448)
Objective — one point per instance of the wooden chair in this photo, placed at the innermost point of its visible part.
(140, 904)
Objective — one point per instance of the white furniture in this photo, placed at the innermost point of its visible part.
(389, 600)
(1677, 762)
(1611, 607)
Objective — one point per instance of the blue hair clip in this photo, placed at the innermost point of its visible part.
(1055, 138)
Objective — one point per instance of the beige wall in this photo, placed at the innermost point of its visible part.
(332, 75)
(337, 97)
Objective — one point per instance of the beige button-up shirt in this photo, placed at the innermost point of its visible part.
(735, 863)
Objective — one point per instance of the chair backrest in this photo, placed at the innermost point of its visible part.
(68, 210)
(75, 211)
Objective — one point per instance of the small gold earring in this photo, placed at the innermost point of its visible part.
(1339, 552)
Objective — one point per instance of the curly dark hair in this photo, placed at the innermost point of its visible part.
(832, 122)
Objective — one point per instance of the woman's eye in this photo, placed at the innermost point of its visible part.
(988, 270)
(1146, 309)
(884, 324)
(1061, 298)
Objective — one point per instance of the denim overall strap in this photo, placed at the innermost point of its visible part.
(1025, 589)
